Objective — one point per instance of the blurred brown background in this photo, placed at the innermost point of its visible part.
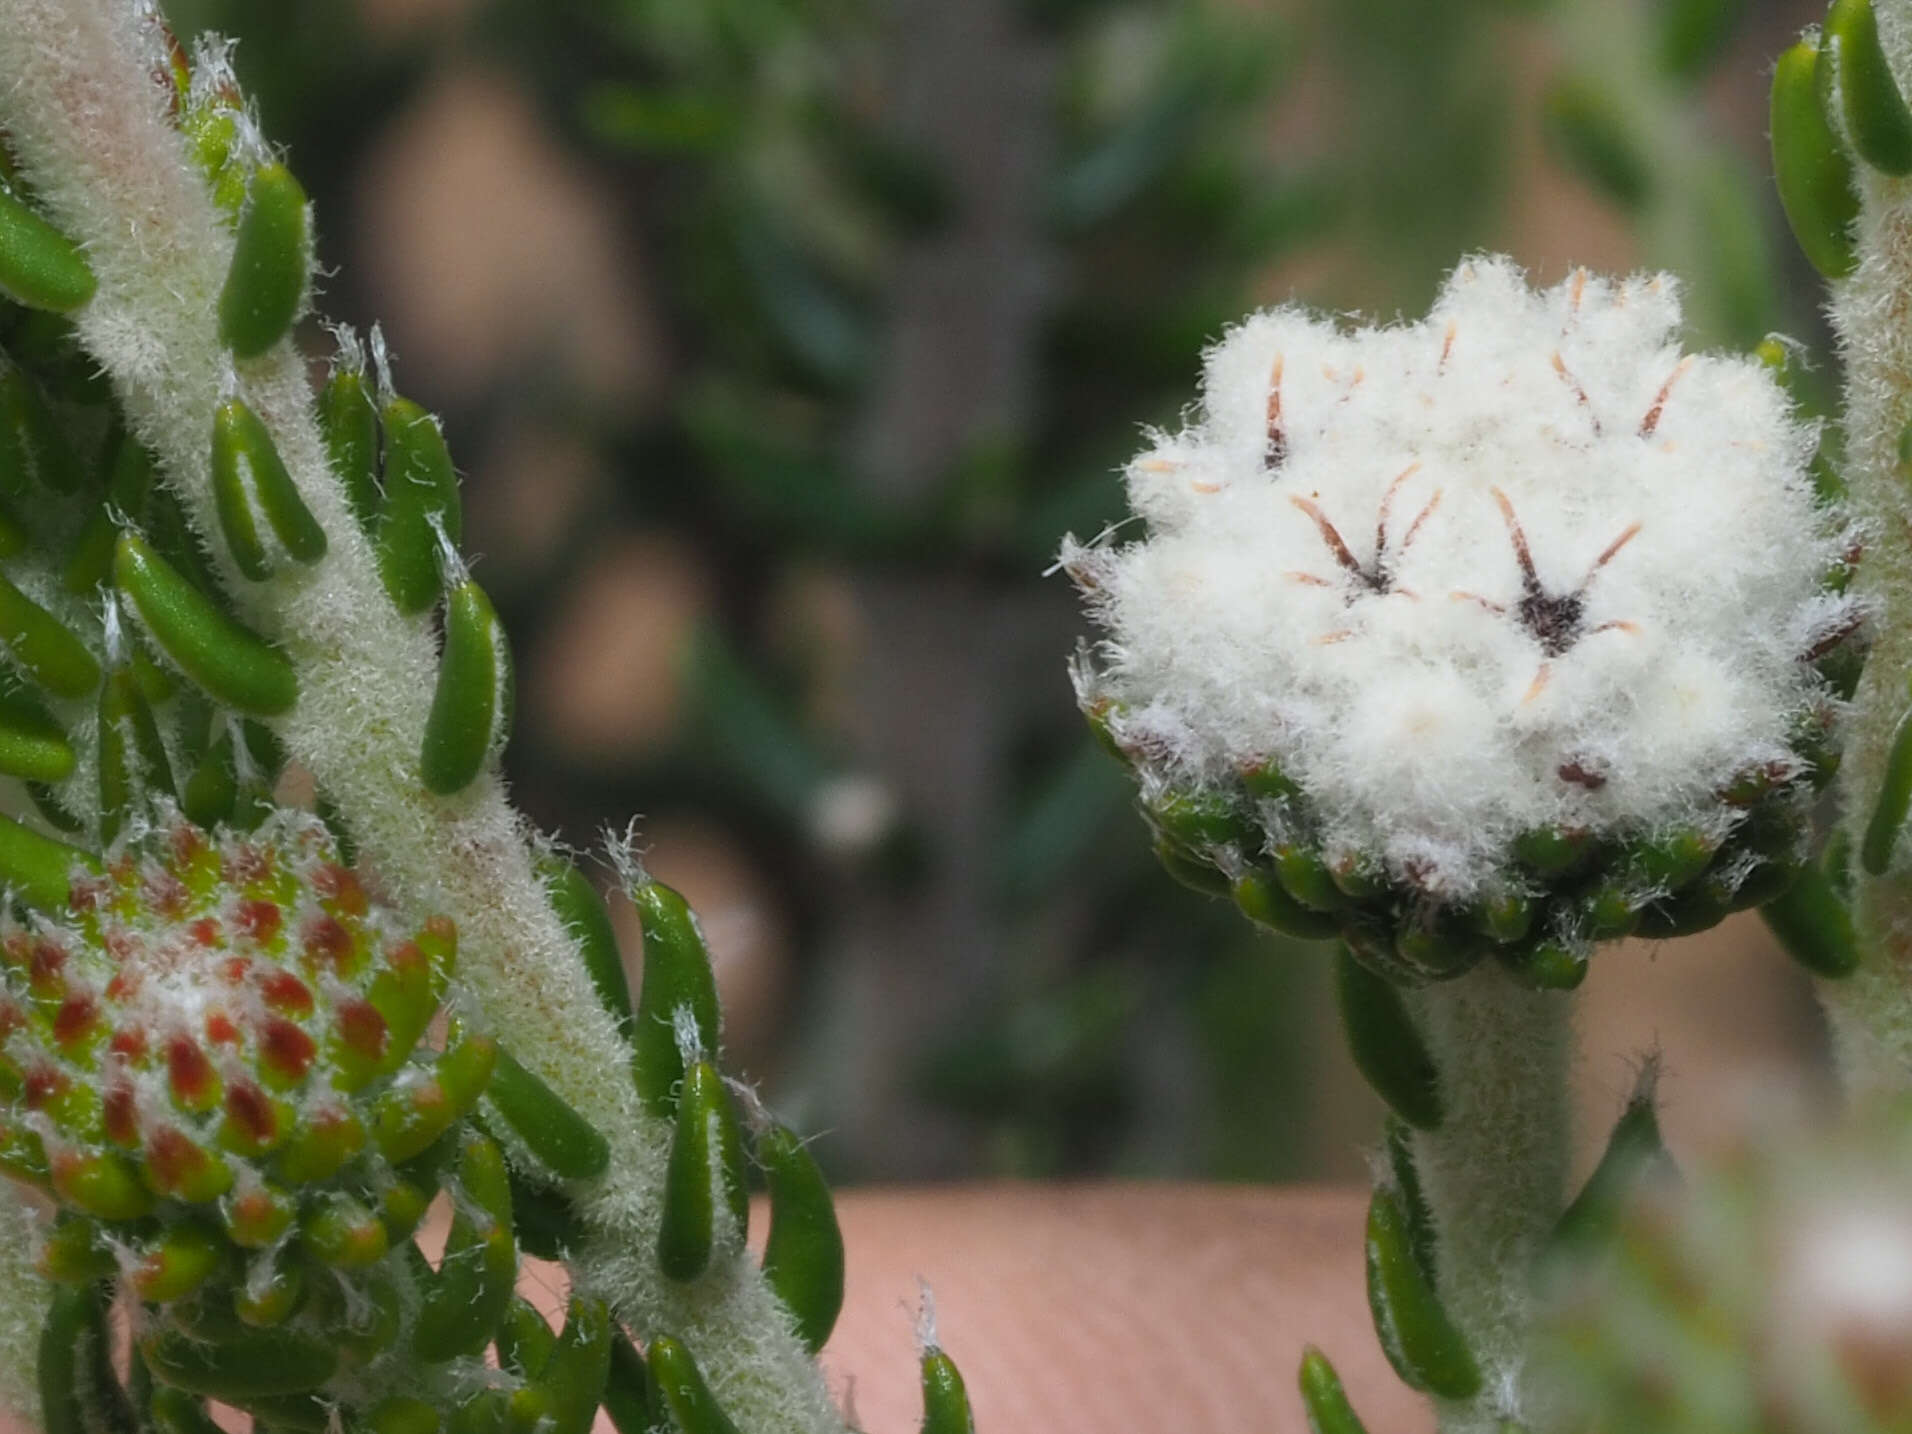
(780, 340)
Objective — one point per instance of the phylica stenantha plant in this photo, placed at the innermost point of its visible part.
(1492, 632)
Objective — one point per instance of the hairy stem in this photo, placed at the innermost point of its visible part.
(1871, 1011)
(23, 1301)
(91, 129)
(1494, 1174)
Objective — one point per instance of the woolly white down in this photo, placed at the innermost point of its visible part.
(1428, 716)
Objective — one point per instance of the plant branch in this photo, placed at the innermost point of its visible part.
(1871, 1011)
(23, 1300)
(91, 129)
(1494, 1174)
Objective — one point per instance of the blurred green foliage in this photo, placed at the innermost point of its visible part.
(785, 185)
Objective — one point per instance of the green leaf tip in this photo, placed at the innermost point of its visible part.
(1322, 1398)
(1893, 802)
(271, 259)
(471, 699)
(1417, 1336)
(250, 480)
(1810, 166)
(39, 266)
(1875, 113)
(682, 1392)
(554, 1132)
(1386, 1046)
(803, 1254)
(233, 664)
(705, 1168)
(1812, 921)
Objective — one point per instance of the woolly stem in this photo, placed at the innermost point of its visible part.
(1494, 1174)
(23, 1302)
(1870, 1012)
(91, 129)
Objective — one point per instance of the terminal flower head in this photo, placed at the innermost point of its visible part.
(1465, 607)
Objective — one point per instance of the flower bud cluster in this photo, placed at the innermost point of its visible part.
(1501, 631)
(214, 1063)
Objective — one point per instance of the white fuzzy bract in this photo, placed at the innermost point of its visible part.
(1522, 564)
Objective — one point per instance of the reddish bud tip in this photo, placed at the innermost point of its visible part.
(408, 961)
(187, 842)
(286, 1049)
(362, 1028)
(88, 893)
(166, 894)
(119, 1114)
(75, 1018)
(173, 1158)
(129, 1042)
(252, 1113)
(42, 1084)
(284, 991)
(326, 939)
(340, 886)
(258, 1217)
(246, 864)
(259, 920)
(45, 962)
(189, 1072)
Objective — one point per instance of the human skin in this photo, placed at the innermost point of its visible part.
(1085, 1309)
(1091, 1308)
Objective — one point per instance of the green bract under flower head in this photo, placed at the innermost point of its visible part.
(1498, 629)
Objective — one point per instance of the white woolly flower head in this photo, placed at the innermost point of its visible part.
(1521, 571)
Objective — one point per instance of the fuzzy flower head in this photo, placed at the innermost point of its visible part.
(1521, 577)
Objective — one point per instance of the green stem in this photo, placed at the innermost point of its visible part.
(1870, 1012)
(23, 1302)
(1494, 1174)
